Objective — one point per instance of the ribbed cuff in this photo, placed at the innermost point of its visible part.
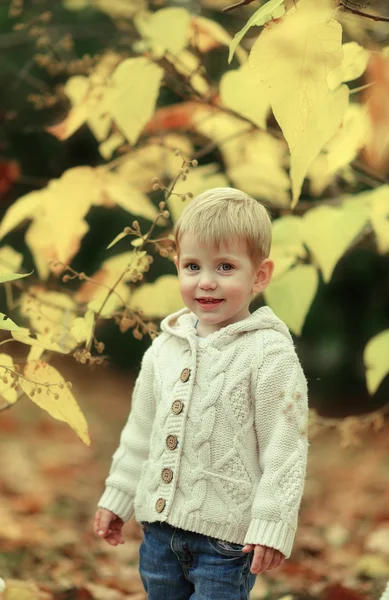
(274, 534)
(117, 502)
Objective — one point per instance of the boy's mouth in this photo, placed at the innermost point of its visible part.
(209, 301)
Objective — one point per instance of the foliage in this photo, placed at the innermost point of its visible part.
(282, 117)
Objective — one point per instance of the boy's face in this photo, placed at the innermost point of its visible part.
(226, 274)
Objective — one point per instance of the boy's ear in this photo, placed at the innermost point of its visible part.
(176, 262)
(263, 275)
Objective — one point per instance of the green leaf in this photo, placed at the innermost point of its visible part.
(376, 360)
(271, 10)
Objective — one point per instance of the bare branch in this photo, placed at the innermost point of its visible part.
(363, 14)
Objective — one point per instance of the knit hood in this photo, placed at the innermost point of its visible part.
(182, 324)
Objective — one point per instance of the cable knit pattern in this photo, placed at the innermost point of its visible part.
(216, 440)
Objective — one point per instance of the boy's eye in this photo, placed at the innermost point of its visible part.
(191, 265)
(227, 265)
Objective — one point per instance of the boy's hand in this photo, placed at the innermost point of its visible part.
(264, 559)
(108, 525)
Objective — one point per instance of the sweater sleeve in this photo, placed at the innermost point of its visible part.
(133, 450)
(281, 423)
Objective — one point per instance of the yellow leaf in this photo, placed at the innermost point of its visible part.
(4, 277)
(41, 240)
(329, 231)
(326, 119)
(273, 9)
(257, 167)
(245, 95)
(133, 95)
(287, 243)
(121, 193)
(293, 58)
(50, 314)
(27, 207)
(353, 65)
(23, 335)
(341, 149)
(199, 180)
(166, 29)
(290, 295)
(88, 98)
(6, 324)
(154, 160)
(375, 358)
(159, 298)
(9, 394)
(65, 408)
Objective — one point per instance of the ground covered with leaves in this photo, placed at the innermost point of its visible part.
(50, 483)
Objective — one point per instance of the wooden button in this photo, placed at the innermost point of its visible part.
(167, 475)
(160, 504)
(185, 374)
(171, 442)
(177, 407)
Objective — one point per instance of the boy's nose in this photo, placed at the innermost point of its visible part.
(207, 284)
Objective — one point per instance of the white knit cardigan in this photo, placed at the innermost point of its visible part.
(216, 440)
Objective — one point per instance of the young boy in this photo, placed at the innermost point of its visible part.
(212, 459)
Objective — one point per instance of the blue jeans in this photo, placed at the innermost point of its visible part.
(181, 565)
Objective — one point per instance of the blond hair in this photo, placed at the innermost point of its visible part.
(221, 214)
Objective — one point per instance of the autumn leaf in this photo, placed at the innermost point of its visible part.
(329, 231)
(287, 243)
(166, 29)
(375, 358)
(326, 119)
(64, 407)
(6, 324)
(245, 95)
(293, 58)
(353, 65)
(4, 277)
(340, 150)
(132, 97)
(159, 298)
(291, 295)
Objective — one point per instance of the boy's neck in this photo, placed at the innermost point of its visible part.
(203, 331)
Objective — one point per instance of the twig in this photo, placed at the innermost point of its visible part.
(363, 14)
(233, 6)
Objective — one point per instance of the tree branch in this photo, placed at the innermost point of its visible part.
(233, 6)
(341, 2)
(363, 14)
